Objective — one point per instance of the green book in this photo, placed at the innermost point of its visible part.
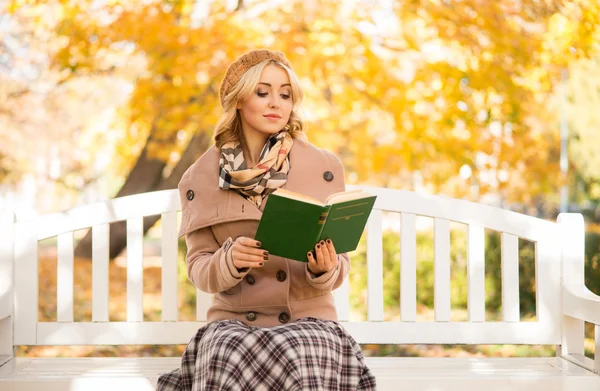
(292, 224)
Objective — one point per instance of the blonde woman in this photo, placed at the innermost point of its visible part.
(272, 323)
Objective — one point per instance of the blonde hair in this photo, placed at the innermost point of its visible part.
(229, 126)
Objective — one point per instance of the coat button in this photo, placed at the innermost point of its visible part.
(189, 195)
(284, 317)
(328, 176)
(250, 279)
(251, 316)
(281, 276)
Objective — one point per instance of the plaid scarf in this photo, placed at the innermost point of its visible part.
(264, 178)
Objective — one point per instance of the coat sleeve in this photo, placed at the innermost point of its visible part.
(210, 266)
(333, 278)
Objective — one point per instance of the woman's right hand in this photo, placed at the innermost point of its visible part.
(246, 252)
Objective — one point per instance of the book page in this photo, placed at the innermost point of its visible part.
(347, 196)
(297, 196)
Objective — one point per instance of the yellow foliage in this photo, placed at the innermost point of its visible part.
(424, 86)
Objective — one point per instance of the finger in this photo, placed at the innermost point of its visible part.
(319, 255)
(243, 264)
(332, 252)
(327, 260)
(312, 263)
(248, 242)
(250, 250)
(250, 257)
(331, 248)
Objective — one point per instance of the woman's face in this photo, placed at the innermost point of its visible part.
(268, 109)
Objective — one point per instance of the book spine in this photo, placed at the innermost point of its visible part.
(323, 221)
(323, 217)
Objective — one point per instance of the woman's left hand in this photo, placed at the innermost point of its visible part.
(326, 258)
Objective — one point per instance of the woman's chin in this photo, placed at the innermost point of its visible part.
(271, 130)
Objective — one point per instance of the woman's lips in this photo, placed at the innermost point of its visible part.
(272, 117)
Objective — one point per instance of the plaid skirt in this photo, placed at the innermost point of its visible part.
(309, 354)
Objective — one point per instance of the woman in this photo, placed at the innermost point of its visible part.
(272, 324)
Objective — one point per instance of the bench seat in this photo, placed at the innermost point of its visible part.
(392, 373)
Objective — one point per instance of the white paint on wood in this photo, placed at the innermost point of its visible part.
(533, 333)
(572, 237)
(461, 211)
(64, 278)
(581, 304)
(573, 336)
(581, 361)
(135, 270)
(26, 283)
(140, 333)
(342, 300)
(203, 302)
(476, 272)
(510, 278)
(597, 349)
(7, 251)
(374, 267)
(413, 373)
(441, 270)
(100, 275)
(408, 267)
(6, 339)
(547, 278)
(122, 208)
(169, 266)
(117, 333)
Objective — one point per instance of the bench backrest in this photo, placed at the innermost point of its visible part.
(409, 330)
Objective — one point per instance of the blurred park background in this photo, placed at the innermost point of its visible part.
(490, 101)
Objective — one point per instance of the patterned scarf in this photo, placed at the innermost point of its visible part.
(264, 178)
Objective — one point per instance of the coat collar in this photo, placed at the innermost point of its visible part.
(212, 205)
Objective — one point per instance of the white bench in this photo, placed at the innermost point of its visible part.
(563, 302)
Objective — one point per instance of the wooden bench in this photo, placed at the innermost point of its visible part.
(563, 302)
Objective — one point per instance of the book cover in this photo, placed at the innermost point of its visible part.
(291, 224)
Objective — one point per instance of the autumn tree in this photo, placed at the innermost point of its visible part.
(412, 87)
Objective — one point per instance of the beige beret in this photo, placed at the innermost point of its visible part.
(236, 70)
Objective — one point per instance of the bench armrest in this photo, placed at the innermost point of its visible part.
(581, 304)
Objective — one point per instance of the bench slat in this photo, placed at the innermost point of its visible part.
(124, 333)
(341, 297)
(408, 267)
(442, 270)
(64, 278)
(476, 272)
(26, 284)
(203, 302)
(374, 267)
(169, 266)
(100, 255)
(135, 269)
(510, 278)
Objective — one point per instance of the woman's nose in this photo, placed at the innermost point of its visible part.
(274, 101)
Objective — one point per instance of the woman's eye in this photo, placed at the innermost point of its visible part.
(262, 94)
(284, 96)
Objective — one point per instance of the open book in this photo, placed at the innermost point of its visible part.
(292, 223)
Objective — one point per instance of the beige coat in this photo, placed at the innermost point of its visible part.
(212, 218)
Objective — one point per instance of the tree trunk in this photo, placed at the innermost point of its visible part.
(145, 176)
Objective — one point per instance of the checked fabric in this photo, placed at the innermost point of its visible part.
(309, 354)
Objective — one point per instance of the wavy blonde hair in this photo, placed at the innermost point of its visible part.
(229, 126)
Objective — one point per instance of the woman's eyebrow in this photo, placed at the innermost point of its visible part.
(283, 85)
